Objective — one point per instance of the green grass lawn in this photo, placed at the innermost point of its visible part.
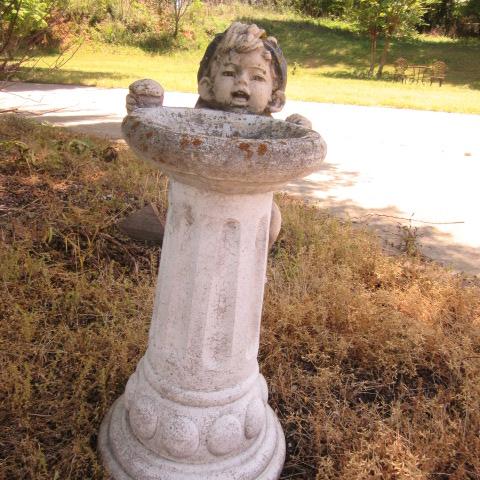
(327, 63)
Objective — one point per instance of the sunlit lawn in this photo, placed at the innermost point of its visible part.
(327, 64)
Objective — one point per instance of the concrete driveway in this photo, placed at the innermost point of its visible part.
(385, 167)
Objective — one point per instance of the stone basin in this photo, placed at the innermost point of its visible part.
(223, 151)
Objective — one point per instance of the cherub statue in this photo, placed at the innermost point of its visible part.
(242, 71)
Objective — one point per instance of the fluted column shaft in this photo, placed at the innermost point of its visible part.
(196, 407)
(205, 327)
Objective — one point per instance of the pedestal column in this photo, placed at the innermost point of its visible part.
(196, 406)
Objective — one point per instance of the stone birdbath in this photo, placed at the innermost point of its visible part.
(196, 407)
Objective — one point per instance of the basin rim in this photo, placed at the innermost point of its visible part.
(233, 164)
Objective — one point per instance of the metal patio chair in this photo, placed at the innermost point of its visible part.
(401, 66)
(437, 72)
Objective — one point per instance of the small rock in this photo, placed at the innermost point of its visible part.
(109, 154)
(144, 225)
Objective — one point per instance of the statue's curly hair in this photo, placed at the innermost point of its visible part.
(243, 38)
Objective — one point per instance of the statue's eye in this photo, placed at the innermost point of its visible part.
(228, 73)
(258, 78)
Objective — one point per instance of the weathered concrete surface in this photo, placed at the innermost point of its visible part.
(197, 407)
(381, 162)
(144, 93)
(225, 152)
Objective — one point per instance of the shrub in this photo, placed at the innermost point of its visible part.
(126, 23)
(320, 8)
(25, 27)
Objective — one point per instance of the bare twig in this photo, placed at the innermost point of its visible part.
(404, 218)
(28, 112)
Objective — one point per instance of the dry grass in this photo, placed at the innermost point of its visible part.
(373, 361)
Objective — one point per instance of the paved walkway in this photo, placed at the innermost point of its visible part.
(385, 166)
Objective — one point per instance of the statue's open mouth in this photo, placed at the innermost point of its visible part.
(240, 95)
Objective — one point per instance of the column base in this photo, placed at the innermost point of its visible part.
(126, 458)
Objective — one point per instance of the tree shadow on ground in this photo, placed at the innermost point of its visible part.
(398, 234)
(312, 45)
(330, 177)
(64, 76)
(356, 75)
(14, 87)
(462, 70)
(95, 125)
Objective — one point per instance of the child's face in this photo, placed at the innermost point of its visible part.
(243, 82)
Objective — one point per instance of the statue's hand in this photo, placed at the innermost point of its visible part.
(144, 93)
(299, 120)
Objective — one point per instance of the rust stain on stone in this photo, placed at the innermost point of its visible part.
(184, 142)
(262, 149)
(245, 147)
(134, 124)
(149, 134)
(196, 142)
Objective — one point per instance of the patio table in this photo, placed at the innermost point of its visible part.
(419, 72)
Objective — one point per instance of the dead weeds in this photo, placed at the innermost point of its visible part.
(373, 362)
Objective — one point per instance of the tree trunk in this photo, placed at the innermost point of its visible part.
(373, 52)
(449, 18)
(177, 14)
(177, 21)
(13, 10)
(383, 58)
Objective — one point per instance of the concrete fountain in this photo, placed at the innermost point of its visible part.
(196, 406)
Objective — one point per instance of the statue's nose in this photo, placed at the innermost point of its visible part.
(242, 80)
